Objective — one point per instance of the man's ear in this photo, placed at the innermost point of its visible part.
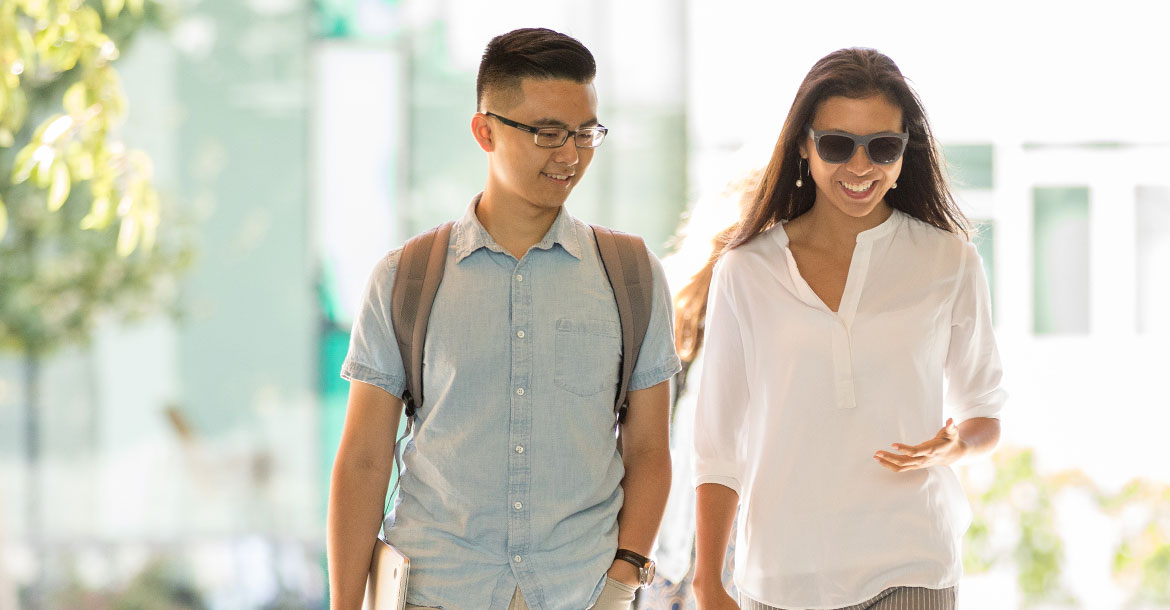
(481, 130)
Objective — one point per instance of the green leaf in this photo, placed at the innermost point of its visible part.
(115, 98)
(150, 218)
(128, 236)
(136, 7)
(75, 97)
(100, 214)
(26, 46)
(42, 172)
(37, 8)
(88, 19)
(13, 118)
(113, 7)
(23, 165)
(3, 220)
(59, 189)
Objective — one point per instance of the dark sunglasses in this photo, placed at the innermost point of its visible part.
(838, 146)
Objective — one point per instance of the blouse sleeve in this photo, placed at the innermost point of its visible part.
(723, 389)
(973, 367)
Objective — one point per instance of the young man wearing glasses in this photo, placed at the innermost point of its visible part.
(513, 494)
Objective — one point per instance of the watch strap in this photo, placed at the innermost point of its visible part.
(627, 555)
(644, 564)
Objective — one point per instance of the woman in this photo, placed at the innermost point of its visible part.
(848, 293)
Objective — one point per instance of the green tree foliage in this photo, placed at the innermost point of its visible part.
(1142, 560)
(80, 216)
(1020, 499)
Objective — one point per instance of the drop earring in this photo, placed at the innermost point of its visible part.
(799, 173)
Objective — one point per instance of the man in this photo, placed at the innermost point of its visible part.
(513, 494)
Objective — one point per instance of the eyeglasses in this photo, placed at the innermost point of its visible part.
(555, 137)
(838, 146)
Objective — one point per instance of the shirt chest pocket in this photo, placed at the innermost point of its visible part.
(588, 356)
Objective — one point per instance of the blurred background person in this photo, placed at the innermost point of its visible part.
(699, 243)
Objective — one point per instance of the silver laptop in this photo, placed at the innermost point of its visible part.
(389, 573)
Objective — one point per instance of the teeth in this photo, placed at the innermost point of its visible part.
(557, 176)
(857, 188)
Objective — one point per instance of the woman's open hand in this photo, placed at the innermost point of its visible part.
(944, 449)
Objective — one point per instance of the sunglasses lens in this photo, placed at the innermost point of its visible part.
(835, 148)
(885, 150)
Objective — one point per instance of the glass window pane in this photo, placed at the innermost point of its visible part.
(356, 167)
(1153, 259)
(1060, 281)
(970, 165)
(983, 235)
(357, 19)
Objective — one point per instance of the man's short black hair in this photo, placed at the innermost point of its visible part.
(531, 53)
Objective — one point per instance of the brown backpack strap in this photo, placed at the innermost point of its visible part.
(627, 264)
(420, 270)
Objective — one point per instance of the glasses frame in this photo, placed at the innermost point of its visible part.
(535, 131)
(862, 141)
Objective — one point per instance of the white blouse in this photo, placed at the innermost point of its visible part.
(795, 399)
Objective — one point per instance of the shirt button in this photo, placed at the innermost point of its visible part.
(517, 506)
(519, 448)
(520, 334)
(519, 391)
(519, 278)
(517, 559)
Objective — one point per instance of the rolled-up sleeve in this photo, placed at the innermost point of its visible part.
(973, 368)
(723, 389)
(373, 356)
(657, 359)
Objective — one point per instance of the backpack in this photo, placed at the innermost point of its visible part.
(420, 270)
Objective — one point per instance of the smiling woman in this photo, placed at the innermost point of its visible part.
(852, 182)
(834, 317)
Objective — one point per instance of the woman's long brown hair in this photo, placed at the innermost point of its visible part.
(690, 303)
(855, 73)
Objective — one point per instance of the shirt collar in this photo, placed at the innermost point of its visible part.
(471, 234)
(896, 218)
(889, 224)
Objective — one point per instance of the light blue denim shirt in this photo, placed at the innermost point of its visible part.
(512, 478)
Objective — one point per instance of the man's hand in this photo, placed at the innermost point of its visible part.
(943, 450)
(615, 595)
(646, 453)
(623, 572)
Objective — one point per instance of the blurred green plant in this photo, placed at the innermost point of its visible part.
(1142, 559)
(164, 582)
(1021, 499)
(82, 235)
(79, 213)
(1037, 550)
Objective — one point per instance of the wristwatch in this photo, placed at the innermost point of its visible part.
(645, 565)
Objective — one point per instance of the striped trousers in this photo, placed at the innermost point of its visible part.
(894, 598)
